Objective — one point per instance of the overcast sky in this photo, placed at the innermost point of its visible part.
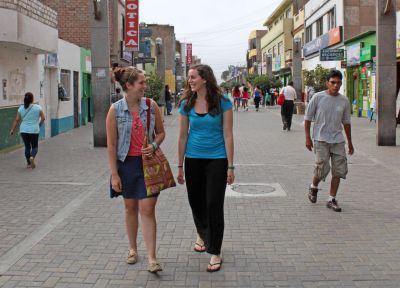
(218, 29)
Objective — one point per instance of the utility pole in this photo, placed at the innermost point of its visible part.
(100, 48)
(160, 47)
(296, 67)
(386, 72)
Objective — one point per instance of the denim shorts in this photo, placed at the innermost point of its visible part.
(131, 173)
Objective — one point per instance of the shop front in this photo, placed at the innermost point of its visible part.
(361, 74)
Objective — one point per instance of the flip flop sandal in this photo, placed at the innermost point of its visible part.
(214, 270)
(202, 248)
(154, 267)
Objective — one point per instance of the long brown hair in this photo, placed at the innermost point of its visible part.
(213, 96)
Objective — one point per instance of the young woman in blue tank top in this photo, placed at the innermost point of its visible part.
(205, 150)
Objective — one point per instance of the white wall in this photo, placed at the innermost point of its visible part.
(321, 8)
(26, 31)
(68, 59)
(22, 72)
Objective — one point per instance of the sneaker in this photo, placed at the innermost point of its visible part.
(284, 126)
(312, 194)
(334, 205)
(32, 160)
(132, 257)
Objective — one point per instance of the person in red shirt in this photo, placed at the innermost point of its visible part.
(245, 99)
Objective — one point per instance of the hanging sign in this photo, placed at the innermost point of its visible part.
(132, 25)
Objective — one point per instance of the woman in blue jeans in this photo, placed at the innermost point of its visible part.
(29, 115)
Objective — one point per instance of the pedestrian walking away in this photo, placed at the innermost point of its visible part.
(257, 97)
(245, 99)
(236, 94)
(125, 124)
(168, 99)
(330, 112)
(30, 117)
(287, 108)
(205, 151)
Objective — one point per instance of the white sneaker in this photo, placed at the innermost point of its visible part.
(32, 160)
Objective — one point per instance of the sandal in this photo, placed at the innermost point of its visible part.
(154, 267)
(209, 268)
(201, 249)
(132, 257)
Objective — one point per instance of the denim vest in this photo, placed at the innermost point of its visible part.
(124, 123)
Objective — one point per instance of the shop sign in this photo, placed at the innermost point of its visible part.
(373, 71)
(145, 32)
(132, 25)
(189, 58)
(331, 55)
(333, 37)
(367, 53)
(144, 60)
(51, 60)
(353, 54)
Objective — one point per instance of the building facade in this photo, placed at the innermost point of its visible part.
(254, 56)
(276, 44)
(25, 61)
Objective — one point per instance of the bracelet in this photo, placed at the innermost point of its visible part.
(231, 167)
(155, 146)
(180, 166)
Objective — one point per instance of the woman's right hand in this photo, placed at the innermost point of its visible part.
(180, 178)
(116, 184)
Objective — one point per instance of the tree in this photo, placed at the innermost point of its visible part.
(316, 78)
(154, 86)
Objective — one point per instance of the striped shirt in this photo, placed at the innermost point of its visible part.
(328, 113)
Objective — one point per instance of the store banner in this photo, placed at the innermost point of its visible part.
(189, 58)
(132, 25)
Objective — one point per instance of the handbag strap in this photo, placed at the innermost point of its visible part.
(26, 112)
(148, 103)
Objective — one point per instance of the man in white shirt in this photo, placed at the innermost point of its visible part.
(330, 112)
(288, 105)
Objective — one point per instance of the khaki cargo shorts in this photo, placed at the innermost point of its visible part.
(334, 151)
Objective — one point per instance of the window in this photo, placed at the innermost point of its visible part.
(253, 44)
(288, 15)
(319, 27)
(309, 33)
(280, 48)
(331, 19)
(65, 79)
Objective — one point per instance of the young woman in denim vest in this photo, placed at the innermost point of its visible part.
(206, 147)
(126, 124)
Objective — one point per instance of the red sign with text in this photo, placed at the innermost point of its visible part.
(189, 53)
(132, 25)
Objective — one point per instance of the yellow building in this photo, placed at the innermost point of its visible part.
(277, 42)
(254, 58)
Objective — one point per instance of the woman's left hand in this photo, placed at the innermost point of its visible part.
(231, 177)
(148, 151)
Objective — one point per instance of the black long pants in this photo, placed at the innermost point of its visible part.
(31, 142)
(287, 113)
(257, 101)
(206, 184)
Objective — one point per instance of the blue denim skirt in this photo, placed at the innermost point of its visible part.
(131, 173)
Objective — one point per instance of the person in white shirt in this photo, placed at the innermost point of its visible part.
(288, 105)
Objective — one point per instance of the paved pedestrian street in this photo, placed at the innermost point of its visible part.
(59, 228)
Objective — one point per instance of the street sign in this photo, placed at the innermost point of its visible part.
(331, 54)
